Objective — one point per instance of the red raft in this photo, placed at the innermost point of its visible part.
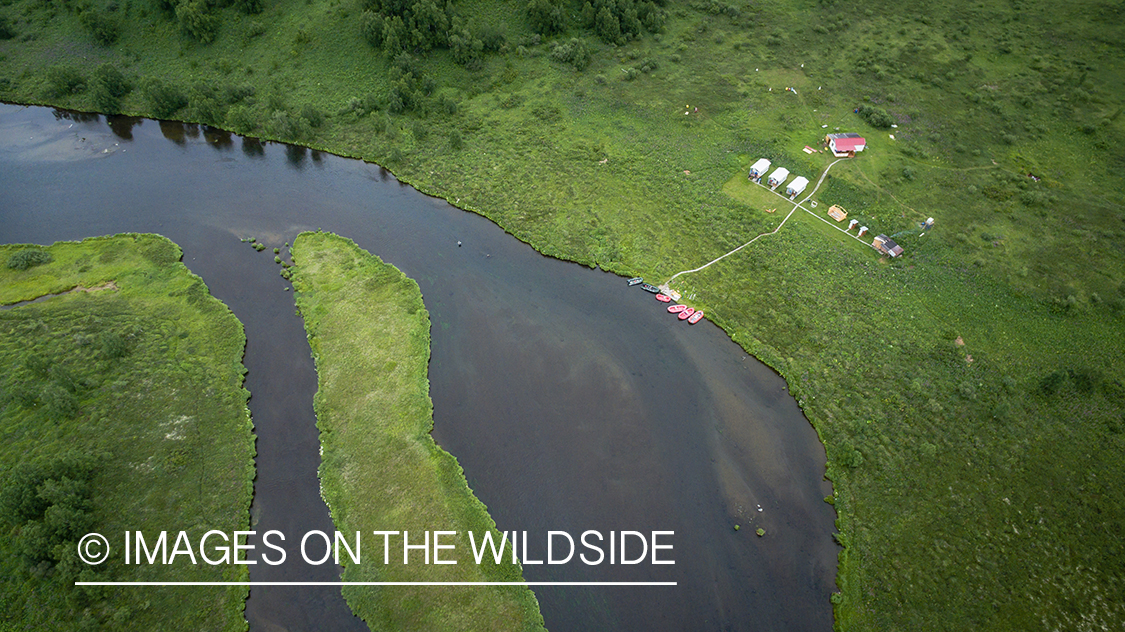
(695, 318)
(664, 298)
(675, 309)
(686, 314)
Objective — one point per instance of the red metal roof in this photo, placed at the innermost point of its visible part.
(849, 144)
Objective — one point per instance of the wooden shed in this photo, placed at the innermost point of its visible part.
(886, 246)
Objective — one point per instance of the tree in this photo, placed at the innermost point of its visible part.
(195, 18)
(546, 16)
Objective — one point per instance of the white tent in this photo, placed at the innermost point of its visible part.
(759, 168)
(796, 186)
(779, 176)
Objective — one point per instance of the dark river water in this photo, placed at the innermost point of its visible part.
(571, 401)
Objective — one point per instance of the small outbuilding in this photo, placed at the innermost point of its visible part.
(886, 246)
(796, 186)
(778, 176)
(845, 144)
(759, 168)
(838, 213)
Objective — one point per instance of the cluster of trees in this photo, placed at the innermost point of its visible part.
(47, 506)
(400, 26)
(876, 116)
(199, 18)
(614, 21)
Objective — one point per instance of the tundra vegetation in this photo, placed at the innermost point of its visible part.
(969, 394)
(370, 336)
(100, 435)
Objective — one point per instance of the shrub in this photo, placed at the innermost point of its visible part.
(64, 81)
(575, 52)
(7, 31)
(249, 7)
(101, 26)
(312, 115)
(372, 26)
(197, 21)
(876, 116)
(466, 49)
(546, 17)
(455, 141)
(493, 37)
(165, 100)
(108, 88)
(29, 258)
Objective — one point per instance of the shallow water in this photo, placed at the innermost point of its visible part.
(572, 401)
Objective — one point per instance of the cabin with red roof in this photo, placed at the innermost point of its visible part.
(845, 144)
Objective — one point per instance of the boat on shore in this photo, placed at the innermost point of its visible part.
(648, 287)
(675, 309)
(686, 314)
(695, 318)
(664, 298)
(635, 281)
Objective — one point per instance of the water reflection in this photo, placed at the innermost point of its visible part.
(122, 126)
(173, 131)
(253, 148)
(220, 139)
(295, 155)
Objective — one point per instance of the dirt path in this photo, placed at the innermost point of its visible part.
(796, 205)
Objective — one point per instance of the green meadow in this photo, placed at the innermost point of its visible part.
(380, 469)
(98, 433)
(969, 394)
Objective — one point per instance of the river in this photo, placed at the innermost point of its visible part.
(572, 401)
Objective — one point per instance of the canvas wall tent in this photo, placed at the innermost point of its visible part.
(759, 168)
(778, 176)
(796, 186)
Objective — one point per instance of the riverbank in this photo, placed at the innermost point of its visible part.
(962, 366)
(381, 470)
(96, 424)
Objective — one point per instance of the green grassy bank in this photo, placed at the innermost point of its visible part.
(381, 470)
(102, 430)
(970, 394)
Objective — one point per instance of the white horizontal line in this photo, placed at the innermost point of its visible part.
(375, 584)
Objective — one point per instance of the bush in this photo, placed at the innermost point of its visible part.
(575, 52)
(876, 116)
(7, 31)
(466, 49)
(312, 116)
(249, 7)
(64, 81)
(197, 21)
(455, 141)
(100, 25)
(165, 100)
(108, 88)
(546, 17)
(29, 258)
(372, 26)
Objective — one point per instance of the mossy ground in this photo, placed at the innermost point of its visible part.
(603, 166)
(381, 470)
(142, 382)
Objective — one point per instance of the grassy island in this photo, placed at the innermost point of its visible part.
(970, 394)
(103, 429)
(381, 470)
